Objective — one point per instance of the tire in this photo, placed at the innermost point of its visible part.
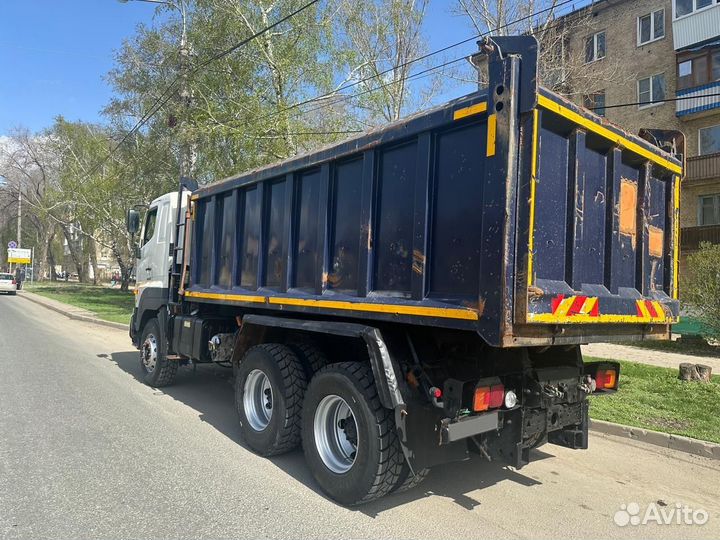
(13, 293)
(312, 358)
(275, 368)
(157, 370)
(363, 471)
(408, 480)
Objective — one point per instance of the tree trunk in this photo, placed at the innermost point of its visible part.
(695, 372)
(125, 269)
(92, 246)
(704, 372)
(51, 257)
(75, 254)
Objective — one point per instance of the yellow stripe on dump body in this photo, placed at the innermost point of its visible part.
(471, 110)
(533, 182)
(491, 135)
(446, 313)
(601, 130)
(676, 236)
(222, 296)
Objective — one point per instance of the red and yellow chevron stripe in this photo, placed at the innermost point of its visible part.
(586, 309)
(650, 311)
(575, 305)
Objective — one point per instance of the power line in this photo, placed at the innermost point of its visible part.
(166, 95)
(335, 92)
(665, 100)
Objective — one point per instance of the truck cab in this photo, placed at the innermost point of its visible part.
(154, 251)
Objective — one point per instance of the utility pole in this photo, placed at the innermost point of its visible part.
(187, 160)
(187, 148)
(19, 225)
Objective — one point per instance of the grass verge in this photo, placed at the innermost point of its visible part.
(691, 347)
(654, 398)
(108, 304)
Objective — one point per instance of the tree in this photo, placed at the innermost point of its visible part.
(701, 286)
(383, 39)
(562, 66)
(281, 93)
(29, 169)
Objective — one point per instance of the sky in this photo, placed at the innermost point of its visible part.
(54, 54)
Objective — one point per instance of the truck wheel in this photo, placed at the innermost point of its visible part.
(408, 480)
(348, 436)
(158, 370)
(310, 355)
(269, 389)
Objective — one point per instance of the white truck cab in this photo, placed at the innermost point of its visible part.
(155, 254)
(153, 265)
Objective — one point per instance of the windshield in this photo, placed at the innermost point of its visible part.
(6, 276)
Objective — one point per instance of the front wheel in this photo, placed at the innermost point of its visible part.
(157, 369)
(349, 438)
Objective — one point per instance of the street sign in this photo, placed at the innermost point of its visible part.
(19, 256)
(12, 244)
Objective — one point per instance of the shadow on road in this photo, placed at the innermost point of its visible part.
(208, 390)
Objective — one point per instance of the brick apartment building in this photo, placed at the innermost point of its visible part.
(654, 50)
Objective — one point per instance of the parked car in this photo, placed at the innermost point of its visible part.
(8, 284)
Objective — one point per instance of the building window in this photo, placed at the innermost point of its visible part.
(651, 90)
(651, 27)
(595, 102)
(709, 210)
(698, 68)
(595, 47)
(685, 7)
(709, 140)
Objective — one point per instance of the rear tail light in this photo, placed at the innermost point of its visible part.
(606, 379)
(488, 397)
(602, 376)
(13, 282)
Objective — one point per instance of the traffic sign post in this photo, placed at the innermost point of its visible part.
(19, 256)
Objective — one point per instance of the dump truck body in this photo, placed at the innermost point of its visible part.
(417, 224)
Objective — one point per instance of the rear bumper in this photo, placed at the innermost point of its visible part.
(8, 288)
(524, 429)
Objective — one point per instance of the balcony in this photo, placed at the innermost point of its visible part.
(692, 237)
(698, 99)
(696, 27)
(702, 168)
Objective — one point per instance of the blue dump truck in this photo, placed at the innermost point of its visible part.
(421, 291)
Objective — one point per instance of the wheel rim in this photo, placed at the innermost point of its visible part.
(150, 353)
(336, 434)
(258, 400)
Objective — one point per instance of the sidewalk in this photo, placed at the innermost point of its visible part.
(69, 311)
(647, 356)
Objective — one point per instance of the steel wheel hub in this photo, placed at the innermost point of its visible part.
(258, 400)
(149, 353)
(336, 434)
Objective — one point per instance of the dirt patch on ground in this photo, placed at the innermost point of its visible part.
(670, 424)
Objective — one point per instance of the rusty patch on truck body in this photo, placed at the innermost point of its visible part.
(418, 264)
(627, 209)
(656, 241)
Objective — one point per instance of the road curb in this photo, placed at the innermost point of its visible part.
(37, 299)
(665, 440)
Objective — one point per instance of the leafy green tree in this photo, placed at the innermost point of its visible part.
(701, 286)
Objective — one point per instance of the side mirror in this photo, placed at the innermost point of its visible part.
(132, 221)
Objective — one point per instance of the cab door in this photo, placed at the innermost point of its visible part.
(152, 265)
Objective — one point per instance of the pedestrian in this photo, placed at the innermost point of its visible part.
(19, 277)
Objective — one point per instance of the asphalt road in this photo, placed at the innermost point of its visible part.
(86, 450)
